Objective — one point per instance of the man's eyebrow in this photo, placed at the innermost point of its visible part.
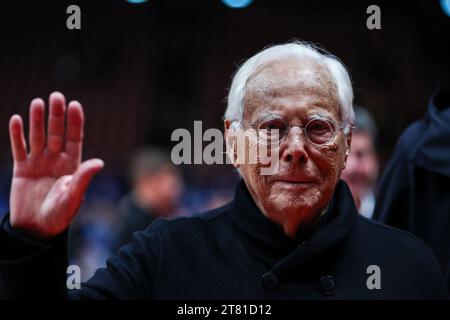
(321, 112)
(319, 115)
(268, 115)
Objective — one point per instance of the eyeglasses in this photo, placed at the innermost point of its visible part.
(319, 130)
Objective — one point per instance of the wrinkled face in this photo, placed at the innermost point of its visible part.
(361, 171)
(297, 91)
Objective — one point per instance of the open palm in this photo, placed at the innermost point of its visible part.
(49, 181)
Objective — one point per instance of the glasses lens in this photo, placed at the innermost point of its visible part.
(319, 131)
(272, 130)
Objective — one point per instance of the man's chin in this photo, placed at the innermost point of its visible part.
(295, 195)
(289, 206)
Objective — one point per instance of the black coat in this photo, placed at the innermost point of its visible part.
(234, 252)
(414, 191)
(132, 218)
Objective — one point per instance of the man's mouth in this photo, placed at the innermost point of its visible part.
(294, 183)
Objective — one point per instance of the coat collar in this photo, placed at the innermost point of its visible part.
(335, 226)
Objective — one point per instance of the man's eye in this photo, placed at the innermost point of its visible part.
(272, 125)
(319, 127)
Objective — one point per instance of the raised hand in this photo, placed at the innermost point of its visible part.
(49, 181)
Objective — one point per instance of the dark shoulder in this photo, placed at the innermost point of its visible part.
(388, 232)
(204, 220)
(394, 241)
(404, 258)
(197, 228)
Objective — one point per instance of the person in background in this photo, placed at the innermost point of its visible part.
(414, 191)
(156, 189)
(361, 172)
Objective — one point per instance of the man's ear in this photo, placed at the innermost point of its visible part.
(230, 142)
(348, 140)
(226, 125)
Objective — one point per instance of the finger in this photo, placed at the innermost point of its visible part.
(55, 138)
(37, 126)
(17, 138)
(83, 176)
(74, 133)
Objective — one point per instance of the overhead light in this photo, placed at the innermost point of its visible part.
(237, 3)
(445, 5)
(136, 1)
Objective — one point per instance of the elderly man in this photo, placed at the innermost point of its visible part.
(293, 234)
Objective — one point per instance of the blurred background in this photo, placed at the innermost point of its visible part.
(144, 68)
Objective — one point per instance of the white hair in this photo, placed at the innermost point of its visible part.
(300, 49)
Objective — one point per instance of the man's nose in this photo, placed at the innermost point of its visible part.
(295, 146)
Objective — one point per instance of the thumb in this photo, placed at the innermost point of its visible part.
(83, 176)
